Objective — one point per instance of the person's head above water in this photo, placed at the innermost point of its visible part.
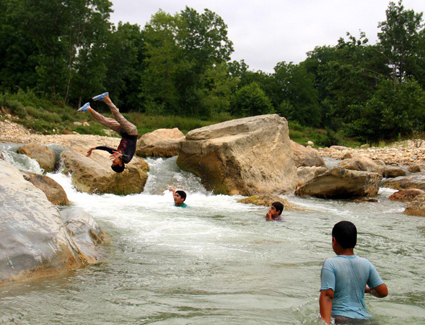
(278, 207)
(345, 233)
(179, 197)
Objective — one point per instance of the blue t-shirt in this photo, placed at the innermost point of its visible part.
(347, 276)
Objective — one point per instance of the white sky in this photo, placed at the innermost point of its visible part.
(270, 31)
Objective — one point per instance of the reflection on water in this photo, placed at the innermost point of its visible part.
(219, 261)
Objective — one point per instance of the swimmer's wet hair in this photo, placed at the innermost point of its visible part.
(345, 233)
(182, 194)
(278, 206)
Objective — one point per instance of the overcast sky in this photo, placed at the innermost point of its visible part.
(270, 31)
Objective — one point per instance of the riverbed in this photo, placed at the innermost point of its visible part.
(219, 261)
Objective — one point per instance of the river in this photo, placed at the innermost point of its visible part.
(218, 261)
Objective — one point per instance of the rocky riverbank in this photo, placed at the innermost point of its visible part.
(404, 153)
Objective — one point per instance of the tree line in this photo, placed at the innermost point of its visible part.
(179, 64)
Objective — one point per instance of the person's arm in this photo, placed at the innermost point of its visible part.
(172, 190)
(90, 151)
(380, 291)
(325, 303)
(105, 148)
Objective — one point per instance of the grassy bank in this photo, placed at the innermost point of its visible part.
(52, 117)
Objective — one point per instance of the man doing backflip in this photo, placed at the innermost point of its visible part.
(128, 131)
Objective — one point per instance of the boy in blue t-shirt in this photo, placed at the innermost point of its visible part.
(345, 279)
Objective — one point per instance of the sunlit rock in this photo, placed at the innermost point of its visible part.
(160, 143)
(44, 155)
(361, 163)
(33, 239)
(416, 180)
(244, 156)
(54, 191)
(339, 183)
(307, 173)
(304, 156)
(94, 174)
(85, 232)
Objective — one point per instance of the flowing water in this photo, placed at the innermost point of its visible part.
(218, 261)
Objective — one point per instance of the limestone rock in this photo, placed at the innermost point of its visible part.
(338, 183)
(33, 239)
(85, 233)
(414, 169)
(361, 163)
(307, 173)
(44, 155)
(391, 172)
(416, 207)
(160, 143)
(245, 156)
(54, 191)
(406, 195)
(416, 180)
(306, 156)
(94, 174)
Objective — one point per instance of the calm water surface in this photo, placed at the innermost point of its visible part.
(219, 262)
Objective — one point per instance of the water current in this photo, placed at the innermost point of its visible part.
(218, 261)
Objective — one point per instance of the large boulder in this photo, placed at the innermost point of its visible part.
(245, 156)
(85, 233)
(33, 239)
(53, 190)
(94, 174)
(306, 156)
(416, 180)
(341, 183)
(307, 173)
(44, 155)
(160, 143)
(361, 163)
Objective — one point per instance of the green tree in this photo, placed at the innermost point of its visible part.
(251, 100)
(298, 99)
(401, 41)
(180, 49)
(390, 112)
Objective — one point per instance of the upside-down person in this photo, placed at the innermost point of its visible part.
(128, 131)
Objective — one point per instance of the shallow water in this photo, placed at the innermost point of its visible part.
(219, 261)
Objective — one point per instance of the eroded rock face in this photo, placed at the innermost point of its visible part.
(306, 157)
(160, 143)
(44, 155)
(245, 156)
(391, 172)
(94, 174)
(339, 183)
(54, 191)
(33, 239)
(85, 233)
